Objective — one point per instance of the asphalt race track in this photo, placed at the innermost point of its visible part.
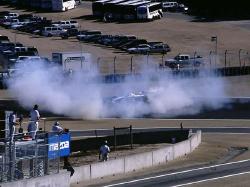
(188, 176)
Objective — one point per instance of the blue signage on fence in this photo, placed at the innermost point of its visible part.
(59, 145)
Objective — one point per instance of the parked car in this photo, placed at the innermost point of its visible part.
(184, 60)
(3, 38)
(52, 31)
(160, 48)
(123, 40)
(11, 15)
(133, 43)
(28, 58)
(87, 34)
(140, 49)
(66, 24)
(69, 33)
(103, 38)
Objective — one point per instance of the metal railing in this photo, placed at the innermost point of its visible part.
(27, 159)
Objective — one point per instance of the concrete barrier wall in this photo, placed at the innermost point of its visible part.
(195, 140)
(181, 148)
(163, 155)
(62, 179)
(81, 174)
(110, 167)
(137, 161)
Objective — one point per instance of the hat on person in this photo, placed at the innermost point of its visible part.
(56, 123)
(35, 107)
(105, 142)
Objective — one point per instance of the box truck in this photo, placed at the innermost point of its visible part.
(75, 61)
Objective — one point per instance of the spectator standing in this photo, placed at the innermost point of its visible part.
(12, 124)
(56, 127)
(104, 152)
(33, 125)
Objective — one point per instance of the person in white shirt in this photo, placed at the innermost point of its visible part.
(56, 127)
(104, 152)
(33, 125)
(12, 124)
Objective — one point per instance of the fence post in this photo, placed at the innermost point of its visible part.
(131, 136)
(240, 57)
(131, 64)
(97, 62)
(225, 65)
(147, 57)
(114, 139)
(114, 65)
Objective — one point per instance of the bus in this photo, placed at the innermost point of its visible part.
(150, 11)
(63, 5)
(110, 8)
(98, 7)
(130, 11)
(124, 8)
(118, 9)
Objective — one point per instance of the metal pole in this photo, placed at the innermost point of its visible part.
(225, 59)
(114, 65)
(147, 58)
(131, 136)
(97, 62)
(131, 64)
(240, 57)
(114, 139)
(216, 46)
(195, 53)
(210, 60)
(162, 60)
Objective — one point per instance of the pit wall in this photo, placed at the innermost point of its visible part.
(137, 161)
(61, 179)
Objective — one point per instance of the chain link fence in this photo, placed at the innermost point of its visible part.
(139, 63)
(27, 159)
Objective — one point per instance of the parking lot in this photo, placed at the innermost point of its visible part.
(177, 30)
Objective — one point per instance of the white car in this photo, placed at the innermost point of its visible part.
(52, 31)
(68, 24)
(28, 58)
(142, 48)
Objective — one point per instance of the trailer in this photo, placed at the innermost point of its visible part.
(75, 61)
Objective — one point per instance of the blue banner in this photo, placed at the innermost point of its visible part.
(55, 142)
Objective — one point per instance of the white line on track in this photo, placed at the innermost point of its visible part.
(175, 173)
(212, 179)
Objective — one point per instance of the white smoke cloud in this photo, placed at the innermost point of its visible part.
(82, 95)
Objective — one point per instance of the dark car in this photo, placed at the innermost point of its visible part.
(93, 38)
(133, 43)
(104, 39)
(69, 33)
(122, 41)
(160, 48)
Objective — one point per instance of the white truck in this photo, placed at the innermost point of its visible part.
(184, 61)
(75, 61)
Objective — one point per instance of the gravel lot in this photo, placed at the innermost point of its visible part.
(180, 31)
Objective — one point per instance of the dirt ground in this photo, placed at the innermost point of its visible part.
(183, 35)
(180, 31)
